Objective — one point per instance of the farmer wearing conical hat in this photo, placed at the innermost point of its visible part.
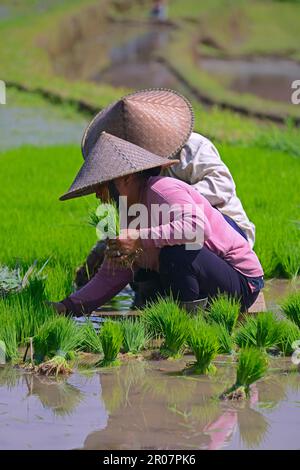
(190, 247)
(162, 122)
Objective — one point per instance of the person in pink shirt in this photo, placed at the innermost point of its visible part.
(187, 243)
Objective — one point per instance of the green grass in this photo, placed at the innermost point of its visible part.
(203, 341)
(30, 37)
(271, 203)
(262, 331)
(40, 226)
(238, 28)
(111, 337)
(291, 308)
(224, 310)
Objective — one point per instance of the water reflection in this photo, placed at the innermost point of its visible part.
(145, 405)
(267, 77)
(59, 396)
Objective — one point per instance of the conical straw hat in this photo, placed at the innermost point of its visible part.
(158, 120)
(110, 158)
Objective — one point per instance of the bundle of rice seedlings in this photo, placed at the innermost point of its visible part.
(263, 331)
(224, 310)
(105, 219)
(290, 333)
(55, 366)
(134, 336)
(90, 339)
(226, 343)
(252, 365)
(202, 340)
(57, 339)
(8, 338)
(167, 320)
(111, 337)
(291, 308)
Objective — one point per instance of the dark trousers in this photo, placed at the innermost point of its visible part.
(193, 274)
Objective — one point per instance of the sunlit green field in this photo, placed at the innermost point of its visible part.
(36, 225)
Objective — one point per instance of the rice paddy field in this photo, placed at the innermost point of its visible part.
(164, 379)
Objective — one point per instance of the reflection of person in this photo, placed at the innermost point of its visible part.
(223, 261)
(199, 164)
(159, 10)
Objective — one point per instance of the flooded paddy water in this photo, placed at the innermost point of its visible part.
(266, 77)
(120, 54)
(126, 54)
(147, 405)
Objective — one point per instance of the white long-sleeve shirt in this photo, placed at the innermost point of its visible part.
(201, 166)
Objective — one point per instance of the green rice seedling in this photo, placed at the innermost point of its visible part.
(203, 341)
(291, 308)
(8, 337)
(134, 336)
(155, 312)
(59, 336)
(224, 310)
(252, 365)
(90, 339)
(290, 333)
(226, 343)
(111, 337)
(29, 316)
(262, 331)
(165, 319)
(106, 219)
(175, 329)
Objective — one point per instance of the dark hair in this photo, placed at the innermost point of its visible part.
(150, 172)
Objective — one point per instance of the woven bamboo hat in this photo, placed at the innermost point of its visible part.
(158, 120)
(110, 158)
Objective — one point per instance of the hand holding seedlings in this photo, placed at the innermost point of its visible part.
(59, 307)
(123, 250)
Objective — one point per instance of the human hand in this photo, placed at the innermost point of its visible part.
(127, 243)
(122, 251)
(59, 307)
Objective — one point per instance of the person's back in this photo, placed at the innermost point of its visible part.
(219, 236)
(201, 166)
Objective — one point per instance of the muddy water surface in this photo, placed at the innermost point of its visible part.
(269, 78)
(146, 406)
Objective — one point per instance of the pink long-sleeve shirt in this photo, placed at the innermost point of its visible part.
(217, 235)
